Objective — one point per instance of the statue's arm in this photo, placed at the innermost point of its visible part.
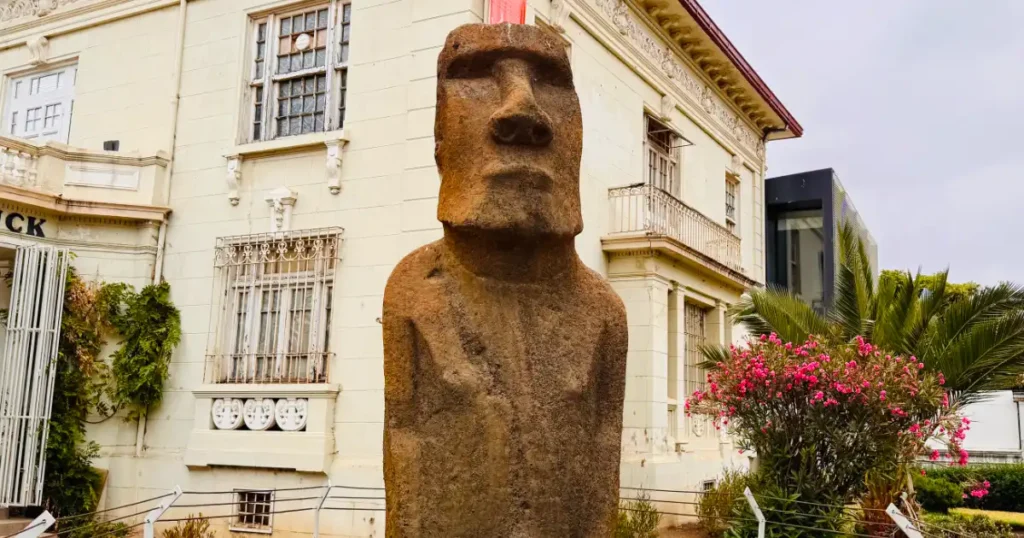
(612, 382)
(400, 337)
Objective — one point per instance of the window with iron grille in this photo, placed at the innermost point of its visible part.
(732, 198)
(695, 377)
(272, 324)
(253, 511)
(299, 72)
(662, 145)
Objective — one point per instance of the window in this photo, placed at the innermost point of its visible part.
(254, 511)
(273, 324)
(299, 73)
(695, 336)
(707, 485)
(732, 199)
(38, 105)
(662, 147)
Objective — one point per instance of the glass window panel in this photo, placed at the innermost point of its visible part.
(321, 102)
(297, 23)
(282, 108)
(321, 57)
(318, 122)
(256, 134)
(286, 26)
(321, 21)
(296, 106)
(344, 53)
(308, 104)
(259, 69)
(261, 32)
(296, 61)
(282, 89)
(260, 50)
(308, 83)
(295, 125)
(282, 127)
(321, 83)
(282, 65)
(346, 13)
(310, 22)
(307, 124)
(308, 59)
(345, 33)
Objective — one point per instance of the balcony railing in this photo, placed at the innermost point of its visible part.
(88, 175)
(646, 209)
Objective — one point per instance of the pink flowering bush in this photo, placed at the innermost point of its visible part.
(823, 418)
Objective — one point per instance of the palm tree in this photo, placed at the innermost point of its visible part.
(976, 341)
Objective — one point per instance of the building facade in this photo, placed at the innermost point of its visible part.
(273, 160)
(804, 212)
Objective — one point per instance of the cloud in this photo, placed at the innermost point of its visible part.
(917, 105)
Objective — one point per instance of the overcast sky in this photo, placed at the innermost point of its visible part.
(917, 104)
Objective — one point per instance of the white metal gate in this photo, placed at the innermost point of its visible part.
(26, 372)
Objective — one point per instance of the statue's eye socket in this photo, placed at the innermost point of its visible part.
(471, 67)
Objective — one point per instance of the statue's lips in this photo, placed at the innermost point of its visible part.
(529, 176)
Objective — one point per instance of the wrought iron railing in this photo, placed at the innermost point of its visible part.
(643, 208)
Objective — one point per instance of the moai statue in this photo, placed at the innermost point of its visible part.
(504, 356)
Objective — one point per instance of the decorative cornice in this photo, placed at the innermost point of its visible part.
(665, 58)
(653, 246)
(16, 9)
(66, 206)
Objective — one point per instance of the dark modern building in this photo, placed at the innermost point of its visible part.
(803, 215)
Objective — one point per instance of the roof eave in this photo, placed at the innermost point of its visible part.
(793, 127)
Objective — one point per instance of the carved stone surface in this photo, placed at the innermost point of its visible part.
(233, 177)
(227, 413)
(16, 9)
(258, 414)
(291, 414)
(504, 356)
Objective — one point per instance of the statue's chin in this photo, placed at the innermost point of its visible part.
(514, 227)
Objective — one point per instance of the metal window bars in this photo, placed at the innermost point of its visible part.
(273, 307)
(253, 510)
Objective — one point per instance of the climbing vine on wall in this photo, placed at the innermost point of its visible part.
(148, 327)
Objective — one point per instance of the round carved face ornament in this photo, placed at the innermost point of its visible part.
(303, 42)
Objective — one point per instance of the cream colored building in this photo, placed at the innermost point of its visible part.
(274, 161)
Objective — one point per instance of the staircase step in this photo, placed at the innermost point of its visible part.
(13, 525)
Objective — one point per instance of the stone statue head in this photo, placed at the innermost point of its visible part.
(508, 131)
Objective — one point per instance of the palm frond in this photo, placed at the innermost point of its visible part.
(853, 291)
(930, 306)
(894, 307)
(713, 354)
(958, 317)
(766, 311)
(987, 356)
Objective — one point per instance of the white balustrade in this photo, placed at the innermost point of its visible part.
(19, 163)
(260, 414)
(644, 208)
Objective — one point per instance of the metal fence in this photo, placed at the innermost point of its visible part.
(253, 510)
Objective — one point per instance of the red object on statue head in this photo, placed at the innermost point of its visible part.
(513, 11)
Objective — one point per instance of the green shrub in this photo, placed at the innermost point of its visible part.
(718, 504)
(1006, 492)
(958, 526)
(638, 518)
(193, 527)
(937, 494)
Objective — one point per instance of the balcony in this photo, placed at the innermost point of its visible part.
(86, 182)
(649, 212)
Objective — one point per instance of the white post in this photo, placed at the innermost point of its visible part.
(37, 527)
(902, 522)
(316, 513)
(154, 515)
(757, 512)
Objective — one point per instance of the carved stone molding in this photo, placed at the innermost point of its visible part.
(335, 151)
(260, 414)
(686, 82)
(291, 414)
(559, 14)
(668, 106)
(227, 413)
(16, 9)
(281, 201)
(39, 47)
(233, 178)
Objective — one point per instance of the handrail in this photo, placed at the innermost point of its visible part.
(644, 208)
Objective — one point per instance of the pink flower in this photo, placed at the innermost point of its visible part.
(881, 395)
(920, 365)
(986, 484)
(923, 472)
(934, 455)
(964, 495)
(819, 395)
(942, 379)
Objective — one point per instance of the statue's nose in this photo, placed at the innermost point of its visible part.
(520, 120)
